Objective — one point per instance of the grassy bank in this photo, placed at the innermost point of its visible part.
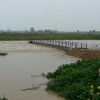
(77, 81)
(53, 36)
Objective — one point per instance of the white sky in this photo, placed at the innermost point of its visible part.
(62, 15)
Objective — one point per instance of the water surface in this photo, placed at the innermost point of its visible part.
(23, 66)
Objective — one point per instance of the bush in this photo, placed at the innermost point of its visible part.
(3, 98)
(74, 81)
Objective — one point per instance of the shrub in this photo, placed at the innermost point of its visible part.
(3, 98)
(77, 81)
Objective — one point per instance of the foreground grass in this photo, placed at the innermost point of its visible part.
(53, 36)
(77, 81)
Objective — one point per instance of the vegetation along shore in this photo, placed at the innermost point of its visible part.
(76, 81)
(53, 36)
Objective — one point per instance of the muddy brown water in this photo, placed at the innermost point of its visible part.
(22, 69)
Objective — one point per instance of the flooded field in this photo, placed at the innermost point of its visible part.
(22, 68)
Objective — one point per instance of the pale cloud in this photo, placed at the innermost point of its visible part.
(62, 15)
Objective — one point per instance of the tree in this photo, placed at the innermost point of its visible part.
(8, 30)
(32, 29)
(93, 30)
(78, 31)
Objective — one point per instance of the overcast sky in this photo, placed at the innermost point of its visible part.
(62, 15)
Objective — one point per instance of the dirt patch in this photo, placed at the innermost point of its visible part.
(86, 54)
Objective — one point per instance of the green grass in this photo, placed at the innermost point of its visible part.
(53, 36)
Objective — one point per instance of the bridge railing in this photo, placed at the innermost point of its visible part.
(70, 44)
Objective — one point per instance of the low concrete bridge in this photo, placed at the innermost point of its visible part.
(60, 44)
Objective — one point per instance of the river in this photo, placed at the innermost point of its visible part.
(22, 69)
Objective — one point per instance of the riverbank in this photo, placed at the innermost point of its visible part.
(84, 54)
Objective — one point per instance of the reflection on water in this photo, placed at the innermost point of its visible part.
(22, 70)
